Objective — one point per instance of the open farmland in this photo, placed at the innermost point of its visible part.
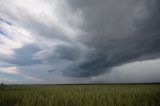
(80, 95)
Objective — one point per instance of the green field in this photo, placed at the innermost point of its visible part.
(80, 95)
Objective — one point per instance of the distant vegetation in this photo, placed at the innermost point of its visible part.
(80, 95)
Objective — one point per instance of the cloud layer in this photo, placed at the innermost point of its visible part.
(84, 38)
(118, 32)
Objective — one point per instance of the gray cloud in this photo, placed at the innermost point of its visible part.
(24, 56)
(85, 38)
(118, 34)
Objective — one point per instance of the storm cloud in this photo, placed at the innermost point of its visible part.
(78, 38)
(118, 34)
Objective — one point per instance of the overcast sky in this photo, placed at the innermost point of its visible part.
(79, 41)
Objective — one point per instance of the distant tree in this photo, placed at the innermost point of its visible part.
(2, 84)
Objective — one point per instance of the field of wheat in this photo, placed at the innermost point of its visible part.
(80, 95)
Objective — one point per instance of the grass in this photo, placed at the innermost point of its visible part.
(80, 95)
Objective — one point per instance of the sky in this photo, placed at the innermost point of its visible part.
(79, 41)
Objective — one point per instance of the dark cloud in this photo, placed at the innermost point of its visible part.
(24, 56)
(85, 38)
(68, 52)
(116, 35)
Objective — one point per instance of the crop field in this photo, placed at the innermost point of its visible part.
(80, 95)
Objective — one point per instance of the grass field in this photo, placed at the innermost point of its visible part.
(80, 95)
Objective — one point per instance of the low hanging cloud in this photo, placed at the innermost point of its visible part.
(119, 32)
(86, 37)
